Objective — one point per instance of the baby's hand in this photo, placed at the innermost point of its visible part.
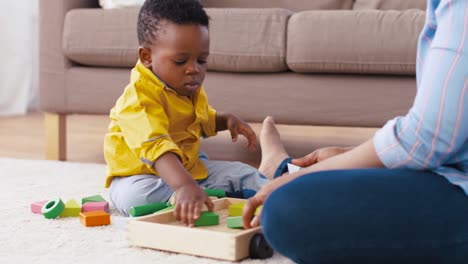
(237, 126)
(190, 200)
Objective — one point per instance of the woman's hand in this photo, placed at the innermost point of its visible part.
(319, 155)
(248, 218)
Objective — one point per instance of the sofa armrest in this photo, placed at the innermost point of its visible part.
(52, 62)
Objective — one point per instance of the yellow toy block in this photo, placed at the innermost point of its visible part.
(258, 210)
(236, 209)
(72, 208)
(96, 218)
(172, 200)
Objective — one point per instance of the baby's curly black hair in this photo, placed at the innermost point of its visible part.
(182, 12)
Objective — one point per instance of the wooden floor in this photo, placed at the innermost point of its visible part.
(23, 137)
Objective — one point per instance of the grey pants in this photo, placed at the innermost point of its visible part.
(126, 192)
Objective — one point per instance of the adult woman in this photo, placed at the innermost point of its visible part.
(400, 197)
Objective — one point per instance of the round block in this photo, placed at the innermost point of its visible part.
(53, 208)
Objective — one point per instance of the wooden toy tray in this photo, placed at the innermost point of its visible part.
(161, 231)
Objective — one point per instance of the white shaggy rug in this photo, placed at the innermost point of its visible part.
(30, 238)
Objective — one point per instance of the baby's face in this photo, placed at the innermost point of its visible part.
(179, 56)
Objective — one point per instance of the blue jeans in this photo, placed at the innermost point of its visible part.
(368, 216)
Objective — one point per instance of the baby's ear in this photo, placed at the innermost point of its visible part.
(144, 55)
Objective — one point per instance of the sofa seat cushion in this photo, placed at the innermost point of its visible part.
(97, 37)
(390, 4)
(364, 42)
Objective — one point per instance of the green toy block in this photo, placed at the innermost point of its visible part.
(207, 219)
(235, 222)
(166, 209)
(94, 198)
(236, 209)
(53, 208)
(72, 208)
(146, 209)
(215, 192)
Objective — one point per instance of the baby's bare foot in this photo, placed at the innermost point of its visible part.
(273, 151)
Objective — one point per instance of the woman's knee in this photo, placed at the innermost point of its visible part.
(282, 223)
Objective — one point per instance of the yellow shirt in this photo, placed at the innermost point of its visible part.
(150, 119)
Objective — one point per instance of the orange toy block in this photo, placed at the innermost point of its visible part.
(96, 218)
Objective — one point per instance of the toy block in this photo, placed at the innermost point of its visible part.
(53, 208)
(166, 209)
(236, 209)
(235, 222)
(171, 200)
(146, 209)
(213, 197)
(96, 218)
(95, 206)
(215, 192)
(72, 208)
(207, 219)
(37, 206)
(94, 198)
(258, 210)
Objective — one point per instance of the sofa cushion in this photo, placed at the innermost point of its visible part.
(99, 37)
(109, 4)
(238, 46)
(296, 5)
(376, 42)
(390, 4)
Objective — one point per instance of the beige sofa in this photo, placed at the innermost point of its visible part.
(334, 63)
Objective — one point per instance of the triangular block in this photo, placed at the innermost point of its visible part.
(72, 208)
(94, 198)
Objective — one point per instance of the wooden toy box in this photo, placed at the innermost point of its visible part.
(161, 231)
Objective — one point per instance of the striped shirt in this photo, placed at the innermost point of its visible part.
(434, 133)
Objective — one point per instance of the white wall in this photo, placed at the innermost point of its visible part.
(18, 53)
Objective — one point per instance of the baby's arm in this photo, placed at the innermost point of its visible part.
(236, 126)
(190, 197)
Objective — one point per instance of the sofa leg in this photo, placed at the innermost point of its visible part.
(56, 136)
